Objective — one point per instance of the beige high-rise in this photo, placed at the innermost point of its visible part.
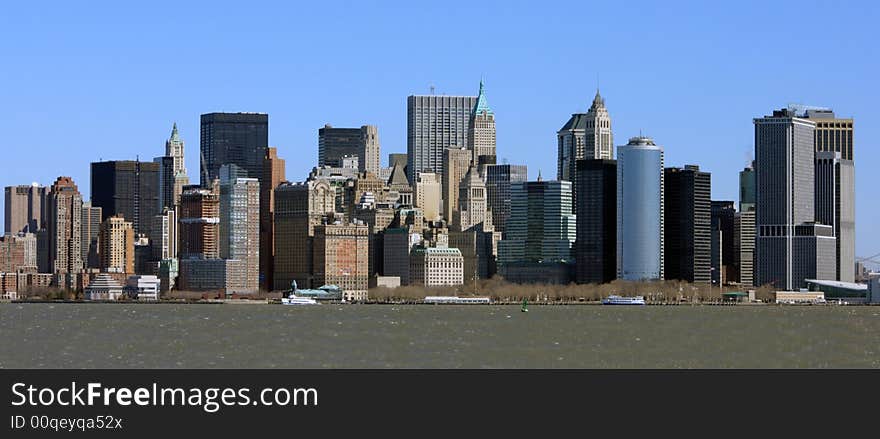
(481, 132)
(117, 245)
(457, 162)
(273, 175)
(427, 195)
(199, 224)
(64, 217)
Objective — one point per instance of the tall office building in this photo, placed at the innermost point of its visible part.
(596, 244)
(129, 188)
(789, 246)
(481, 132)
(63, 217)
(747, 188)
(240, 227)
(341, 257)
(336, 143)
(172, 171)
(434, 123)
(540, 233)
(744, 246)
(499, 178)
(299, 207)
(117, 246)
(25, 209)
(427, 195)
(584, 136)
(91, 230)
(723, 256)
(640, 228)
(233, 138)
(273, 175)
(397, 244)
(165, 238)
(687, 224)
(199, 229)
(472, 206)
(835, 184)
(456, 161)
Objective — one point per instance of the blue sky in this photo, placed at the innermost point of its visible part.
(83, 81)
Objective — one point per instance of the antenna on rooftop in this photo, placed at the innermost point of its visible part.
(431, 87)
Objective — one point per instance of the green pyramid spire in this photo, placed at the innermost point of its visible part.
(482, 104)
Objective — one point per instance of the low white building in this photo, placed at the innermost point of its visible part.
(143, 287)
(103, 287)
(435, 266)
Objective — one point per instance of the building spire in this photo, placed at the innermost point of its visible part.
(482, 105)
(174, 134)
(539, 175)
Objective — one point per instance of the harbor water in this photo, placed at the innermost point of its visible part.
(59, 335)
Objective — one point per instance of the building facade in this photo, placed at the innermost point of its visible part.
(199, 229)
(499, 179)
(273, 175)
(341, 258)
(299, 207)
(129, 188)
(585, 136)
(596, 243)
(91, 231)
(687, 224)
(240, 227)
(785, 202)
(640, 228)
(481, 132)
(434, 123)
(433, 266)
(25, 209)
(457, 162)
(117, 245)
(233, 138)
(336, 143)
(64, 214)
(427, 195)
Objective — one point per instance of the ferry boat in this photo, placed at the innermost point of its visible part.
(296, 300)
(621, 300)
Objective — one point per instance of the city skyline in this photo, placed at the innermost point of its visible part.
(723, 103)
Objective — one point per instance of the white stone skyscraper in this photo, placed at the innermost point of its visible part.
(172, 171)
(481, 133)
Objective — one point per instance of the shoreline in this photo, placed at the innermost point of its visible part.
(415, 302)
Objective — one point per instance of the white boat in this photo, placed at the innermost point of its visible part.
(296, 300)
(621, 300)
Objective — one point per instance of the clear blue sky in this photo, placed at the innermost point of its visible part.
(82, 81)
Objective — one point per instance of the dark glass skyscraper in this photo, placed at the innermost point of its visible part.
(128, 188)
(687, 224)
(233, 138)
(596, 244)
(498, 181)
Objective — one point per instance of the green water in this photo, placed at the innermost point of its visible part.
(385, 336)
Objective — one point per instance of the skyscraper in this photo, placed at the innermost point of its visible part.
(789, 246)
(596, 244)
(233, 138)
(481, 132)
(91, 230)
(117, 246)
(744, 246)
(640, 228)
(427, 195)
(499, 178)
(240, 227)
(687, 224)
(747, 188)
(434, 123)
(472, 208)
(25, 209)
(199, 224)
(64, 213)
(336, 143)
(835, 184)
(456, 161)
(723, 259)
(273, 175)
(584, 136)
(172, 171)
(299, 207)
(129, 188)
(540, 233)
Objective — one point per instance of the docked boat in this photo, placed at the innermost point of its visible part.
(622, 300)
(296, 300)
